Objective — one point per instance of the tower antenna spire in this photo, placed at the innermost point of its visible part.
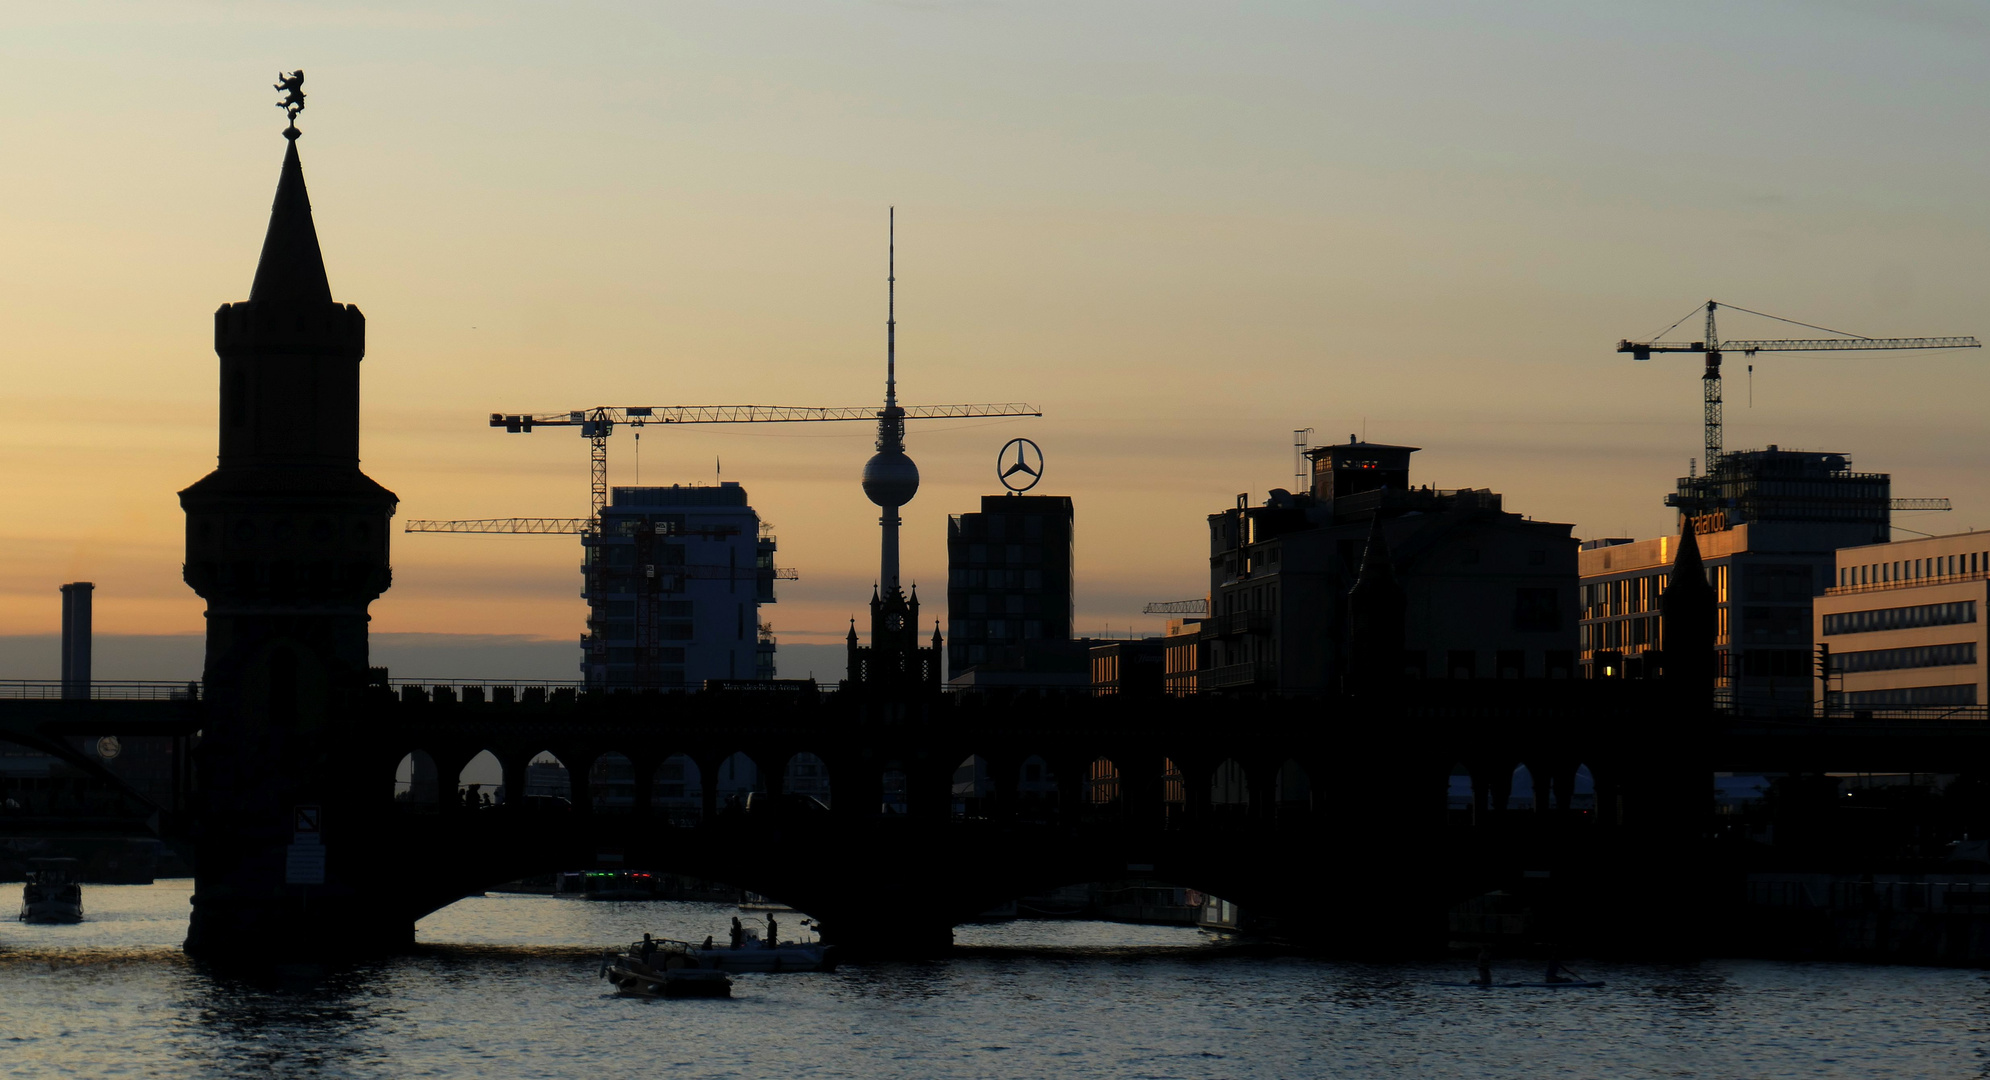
(891, 309)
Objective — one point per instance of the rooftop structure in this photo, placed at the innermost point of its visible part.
(1777, 485)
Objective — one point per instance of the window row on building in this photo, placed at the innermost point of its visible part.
(1635, 633)
(1625, 596)
(1920, 656)
(1975, 562)
(1959, 694)
(1772, 622)
(1900, 618)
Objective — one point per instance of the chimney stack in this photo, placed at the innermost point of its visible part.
(76, 640)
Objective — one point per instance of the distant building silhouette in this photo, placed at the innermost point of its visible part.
(679, 574)
(1484, 593)
(1009, 584)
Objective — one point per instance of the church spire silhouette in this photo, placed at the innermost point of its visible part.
(292, 269)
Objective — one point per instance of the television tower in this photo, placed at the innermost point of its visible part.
(890, 477)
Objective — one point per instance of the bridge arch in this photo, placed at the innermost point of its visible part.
(479, 778)
(1103, 794)
(894, 785)
(1521, 789)
(973, 790)
(548, 783)
(677, 790)
(1174, 794)
(1036, 790)
(807, 775)
(736, 777)
(611, 784)
(416, 782)
(1292, 793)
(1229, 791)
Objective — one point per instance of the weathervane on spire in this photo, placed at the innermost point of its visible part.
(292, 85)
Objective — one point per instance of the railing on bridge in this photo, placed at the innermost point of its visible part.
(99, 690)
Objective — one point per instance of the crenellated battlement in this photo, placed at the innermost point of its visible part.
(289, 327)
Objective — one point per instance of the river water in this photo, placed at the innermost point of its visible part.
(506, 986)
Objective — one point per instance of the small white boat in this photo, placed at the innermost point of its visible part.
(660, 968)
(752, 954)
(49, 896)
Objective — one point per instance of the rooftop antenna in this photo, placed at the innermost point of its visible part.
(890, 477)
(891, 309)
(1301, 438)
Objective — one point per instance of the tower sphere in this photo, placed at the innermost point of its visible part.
(890, 478)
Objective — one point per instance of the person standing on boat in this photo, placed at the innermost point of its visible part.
(1555, 970)
(648, 950)
(773, 931)
(738, 932)
(1485, 966)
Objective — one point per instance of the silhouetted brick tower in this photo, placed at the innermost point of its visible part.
(287, 543)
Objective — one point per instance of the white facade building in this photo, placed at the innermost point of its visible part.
(1905, 624)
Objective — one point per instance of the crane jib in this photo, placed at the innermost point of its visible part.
(1642, 350)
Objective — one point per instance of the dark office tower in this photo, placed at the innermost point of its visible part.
(1008, 580)
(287, 543)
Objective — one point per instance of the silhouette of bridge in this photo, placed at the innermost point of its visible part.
(1328, 817)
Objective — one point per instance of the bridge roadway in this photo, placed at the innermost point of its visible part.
(1343, 826)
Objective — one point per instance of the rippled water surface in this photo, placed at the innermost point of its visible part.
(506, 986)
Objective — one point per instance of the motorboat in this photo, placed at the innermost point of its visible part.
(659, 967)
(50, 896)
(749, 952)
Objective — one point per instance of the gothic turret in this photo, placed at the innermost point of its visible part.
(287, 543)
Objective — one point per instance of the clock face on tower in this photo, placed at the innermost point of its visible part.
(894, 621)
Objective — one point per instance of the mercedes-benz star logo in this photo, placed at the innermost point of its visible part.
(1019, 461)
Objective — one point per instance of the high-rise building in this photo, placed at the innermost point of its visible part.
(1769, 523)
(675, 580)
(1009, 581)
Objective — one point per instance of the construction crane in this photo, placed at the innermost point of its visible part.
(598, 423)
(1177, 607)
(1714, 347)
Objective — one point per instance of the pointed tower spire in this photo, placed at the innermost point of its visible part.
(1378, 566)
(1376, 618)
(292, 269)
(1688, 623)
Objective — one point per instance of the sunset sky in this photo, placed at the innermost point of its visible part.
(1182, 230)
